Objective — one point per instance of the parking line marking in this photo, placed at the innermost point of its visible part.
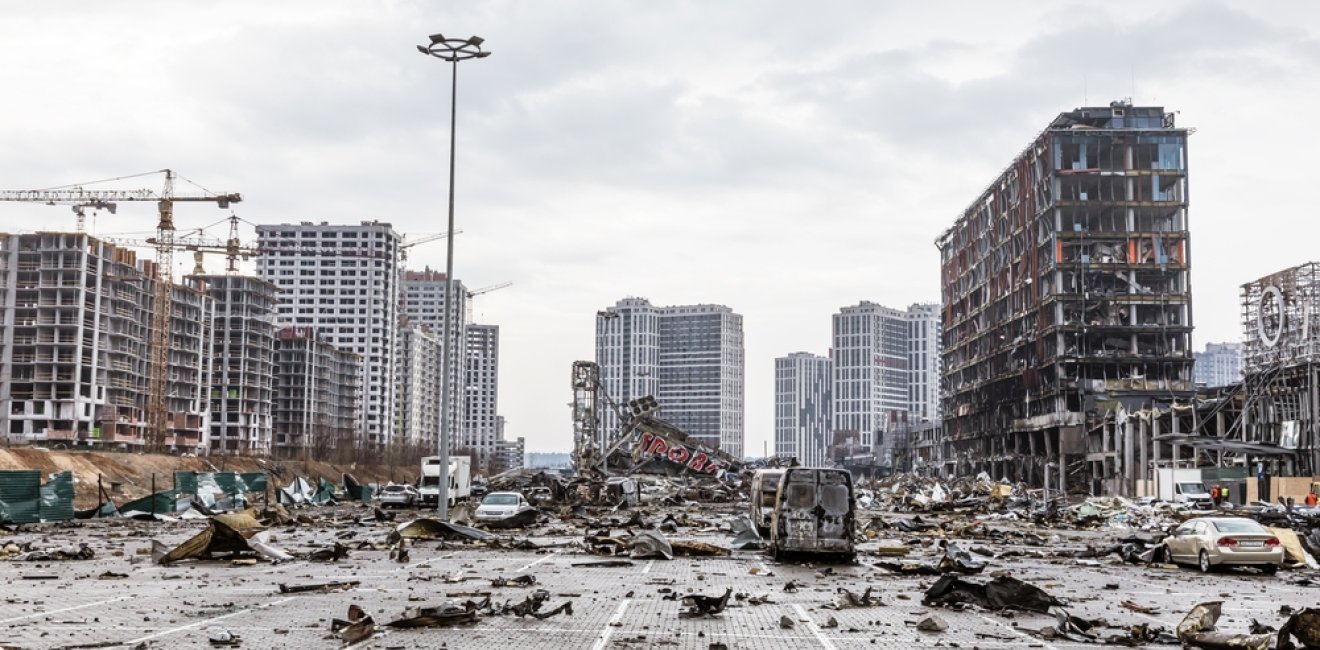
(204, 622)
(1016, 631)
(536, 562)
(604, 635)
(647, 568)
(66, 609)
(811, 625)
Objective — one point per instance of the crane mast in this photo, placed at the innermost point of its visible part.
(158, 425)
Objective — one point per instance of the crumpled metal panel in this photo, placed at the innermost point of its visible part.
(20, 496)
(57, 498)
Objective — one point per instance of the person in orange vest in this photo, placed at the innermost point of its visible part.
(1311, 500)
(1216, 495)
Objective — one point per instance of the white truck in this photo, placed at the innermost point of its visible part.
(1182, 486)
(460, 479)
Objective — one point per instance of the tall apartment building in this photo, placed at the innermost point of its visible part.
(75, 320)
(419, 388)
(422, 303)
(243, 349)
(628, 353)
(481, 422)
(924, 363)
(342, 281)
(317, 396)
(886, 364)
(1220, 364)
(690, 357)
(804, 385)
(1066, 287)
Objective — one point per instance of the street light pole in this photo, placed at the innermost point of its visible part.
(452, 50)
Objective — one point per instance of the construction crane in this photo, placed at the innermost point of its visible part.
(162, 309)
(477, 292)
(403, 248)
(233, 248)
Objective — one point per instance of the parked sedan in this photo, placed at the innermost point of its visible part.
(505, 509)
(398, 495)
(1210, 542)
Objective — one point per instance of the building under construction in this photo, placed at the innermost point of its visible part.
(242, 385)
(1066, 292)
(75, 324)
(318, 395)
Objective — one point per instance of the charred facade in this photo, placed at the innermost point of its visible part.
(1066, 292)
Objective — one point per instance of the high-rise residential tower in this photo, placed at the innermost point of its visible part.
(418, 389)
(871, 359)
(342, 281)
(481, 431)
(1067, 294)
(924, 362)
(690, 357)
(1219, 365)
(803, 426)
(422, 303)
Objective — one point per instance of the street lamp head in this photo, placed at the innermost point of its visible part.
(454, 49)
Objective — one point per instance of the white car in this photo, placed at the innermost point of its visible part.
(501, 507)
(397, 495)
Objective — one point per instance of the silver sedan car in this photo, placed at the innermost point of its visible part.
(1210, 542)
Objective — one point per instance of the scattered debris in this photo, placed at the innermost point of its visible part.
(699, 605)
(848, 599)
(1304, 626)
(649, 544)
(519, 581)
(1000, 593)
(746, 536)
(324, 587)
(358, 626)
(931, 623)
(1197, 630)
(223, 638)
(427, 528)
(442, 616)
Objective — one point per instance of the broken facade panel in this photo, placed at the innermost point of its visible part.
(1066, 293)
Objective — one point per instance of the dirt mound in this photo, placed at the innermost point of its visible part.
(129, 475)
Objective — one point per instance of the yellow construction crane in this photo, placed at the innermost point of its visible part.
(157, 408)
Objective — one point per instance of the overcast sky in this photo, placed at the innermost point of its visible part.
(781, 158)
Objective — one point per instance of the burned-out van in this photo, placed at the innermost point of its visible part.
(814, 513)
(765, 485)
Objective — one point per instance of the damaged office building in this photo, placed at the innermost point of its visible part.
(1066, 291)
